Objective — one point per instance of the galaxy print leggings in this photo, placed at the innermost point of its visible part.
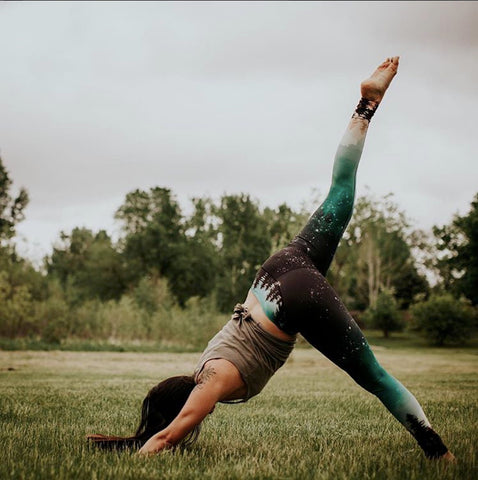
(295, 295)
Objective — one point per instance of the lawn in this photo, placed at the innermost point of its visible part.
(311, 421)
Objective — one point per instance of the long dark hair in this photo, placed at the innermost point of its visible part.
(160, 407)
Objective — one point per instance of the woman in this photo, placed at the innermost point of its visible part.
(289, 295)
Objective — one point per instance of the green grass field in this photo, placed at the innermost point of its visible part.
(311, 421)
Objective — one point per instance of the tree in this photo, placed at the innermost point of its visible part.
(16, 308)
(158, 239)
(384, 315)
(195, 271)
(458, 242)
(376, 254)
(444, 319)
(151, 222)
(20, 272)
(87, 266)
(244, 244)
(284, 224)
(11, 209)
(20, 283)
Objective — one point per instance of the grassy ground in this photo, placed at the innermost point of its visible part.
(311, 421)
(398, 340)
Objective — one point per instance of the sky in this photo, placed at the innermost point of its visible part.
(207, 98)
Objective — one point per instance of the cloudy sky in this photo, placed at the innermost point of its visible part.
(98, 99)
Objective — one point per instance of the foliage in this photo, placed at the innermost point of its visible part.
(218, 248)
(376, 254)
(444, 319)
(151, 222)
(20, 272)
(458, 243)
(244, 245)
(20, 284)
(385, 315)
(122, 320)
(52, 317)
(188, 327)
(85, 322)
(170, 275)
(16, 308)
(284, 223)
(87, 266)
(11, 209)
(156, 240)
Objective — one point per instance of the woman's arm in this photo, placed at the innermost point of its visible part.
(199, 404)
(218, 380)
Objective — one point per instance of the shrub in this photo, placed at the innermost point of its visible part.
(444, 319)
(191, 326)
(16, 308)
(152, 293)
(122, 320)
(52, 318)
(384, 315)
(86, 321)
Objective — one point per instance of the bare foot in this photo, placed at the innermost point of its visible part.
(374, 88)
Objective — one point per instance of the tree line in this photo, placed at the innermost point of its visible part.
(172, 277)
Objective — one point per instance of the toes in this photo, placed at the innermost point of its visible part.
(390, 63)
(394, 63)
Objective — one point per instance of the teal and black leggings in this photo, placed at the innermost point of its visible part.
(295, 295)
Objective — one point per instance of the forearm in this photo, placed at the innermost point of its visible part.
(172, 435)
(199, 404)
(181, 427)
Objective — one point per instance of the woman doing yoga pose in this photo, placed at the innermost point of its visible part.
(289, 295)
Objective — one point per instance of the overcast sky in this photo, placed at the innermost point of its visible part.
(98, 99)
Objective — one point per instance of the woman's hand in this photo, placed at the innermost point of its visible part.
(154, 445)
(218, 380)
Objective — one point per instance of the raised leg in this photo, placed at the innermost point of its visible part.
(325, 228)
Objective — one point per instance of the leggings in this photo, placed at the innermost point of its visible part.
(295, 295)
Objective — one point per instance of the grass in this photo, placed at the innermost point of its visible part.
(310, 422)
(193, 343)
(91, 345)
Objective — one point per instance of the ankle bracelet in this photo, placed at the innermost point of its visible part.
(365, 109)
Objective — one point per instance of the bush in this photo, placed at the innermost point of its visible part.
(151, 293)
(86, 321)
(122, 320)
(385, 315)
(16, 308)
(52, 318)
(444, 319)
(192, 326)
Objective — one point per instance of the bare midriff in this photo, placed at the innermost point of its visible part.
(257, 313)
